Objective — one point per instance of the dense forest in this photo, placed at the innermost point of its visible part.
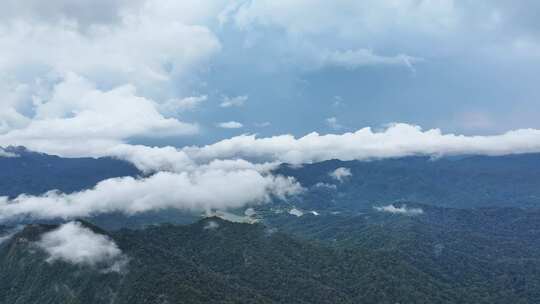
(459, 182)
(423, 236)
(441, 256)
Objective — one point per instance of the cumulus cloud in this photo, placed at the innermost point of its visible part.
(340, 174)
(98, 70)
(230, 125)
(76, 244)
(236, 101)
(126, 51)
(397, 140)
(400, 210)
(80, 116)
(201, 190)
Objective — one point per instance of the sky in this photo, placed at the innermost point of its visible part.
(197, 92)
(203, 71)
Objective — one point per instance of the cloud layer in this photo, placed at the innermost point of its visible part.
(202, 190)
(215, 176)
(397, 140)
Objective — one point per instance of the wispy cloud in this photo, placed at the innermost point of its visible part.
(236, 101)
(403, 209)
(340, 174)
(4, 153)
(178, 105)
(230, 125)
(333, 123)
(352, 59)
(262, 124)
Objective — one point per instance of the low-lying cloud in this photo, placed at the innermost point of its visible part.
(73, 243)
(399, 210)
(8, 234)
(4, 153)
(200, 190)
(216, 176)
(398, 140)
(340, 174)
(325, 186)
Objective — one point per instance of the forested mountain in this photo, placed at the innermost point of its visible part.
(409, 230)
(461, 182)
(35, 173)
(439, 256)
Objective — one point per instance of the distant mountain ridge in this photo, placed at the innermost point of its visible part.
(35, 173)
(460, 182)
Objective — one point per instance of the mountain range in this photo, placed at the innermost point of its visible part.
(408, 230)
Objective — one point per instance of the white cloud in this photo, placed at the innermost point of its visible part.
(400, 210)
(80, 69)
(397, 140)
(232, 188)
(230, 125)
(236, 101)
(236, 182)
(325, 185)
(340, 174)
(151, 159)
(178, 105)
(211, 225)
(78, 116)
(76, 244)
(352, 59)
(353, 34)
(345, 18)
(118, 54)
(296, 212)
(321, 33)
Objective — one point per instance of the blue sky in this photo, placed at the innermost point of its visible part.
(468, 67)
(475, 73)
